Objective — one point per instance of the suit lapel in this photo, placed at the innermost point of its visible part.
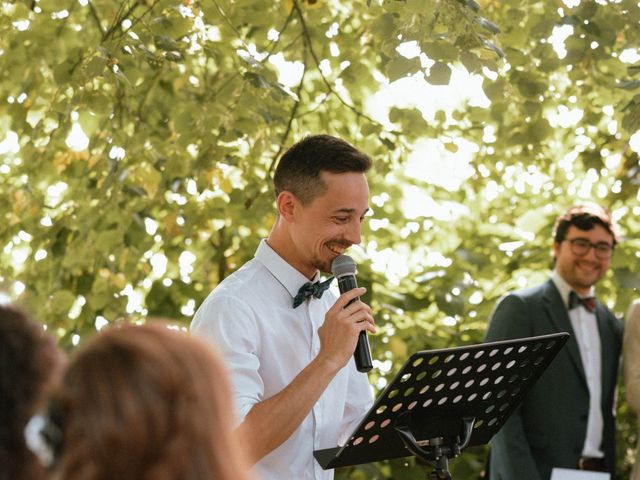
(558, 315)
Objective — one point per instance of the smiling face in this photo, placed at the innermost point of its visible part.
(582, 272)
(325, 227)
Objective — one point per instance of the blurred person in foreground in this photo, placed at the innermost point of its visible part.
(567, 418)
(30, 365)
(631, 363)
(288, 341)
(144, 402)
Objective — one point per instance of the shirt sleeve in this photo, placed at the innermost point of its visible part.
(359, 401)
(231, 326)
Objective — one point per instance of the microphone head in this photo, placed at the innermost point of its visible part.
(343, 265)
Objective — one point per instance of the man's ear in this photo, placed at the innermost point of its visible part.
(287, 203)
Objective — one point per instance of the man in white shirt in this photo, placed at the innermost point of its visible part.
(296, 388)
(567, 418)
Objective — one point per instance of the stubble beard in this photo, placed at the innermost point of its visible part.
(587, 279)
(323, 266)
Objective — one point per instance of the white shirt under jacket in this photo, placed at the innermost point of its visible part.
(266, 343)
(585, 327)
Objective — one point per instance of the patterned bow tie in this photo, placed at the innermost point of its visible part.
(316, 289)
(587, 302)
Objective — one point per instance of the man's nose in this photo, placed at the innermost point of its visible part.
(354, 233)
(591, 254)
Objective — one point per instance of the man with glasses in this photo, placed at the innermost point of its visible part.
(566, 420)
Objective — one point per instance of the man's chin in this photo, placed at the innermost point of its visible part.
(588, 282)
(324, 267)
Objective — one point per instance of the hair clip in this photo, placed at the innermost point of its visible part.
(43, 438)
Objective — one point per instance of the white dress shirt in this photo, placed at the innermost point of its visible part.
(585, 327)
(266, 343)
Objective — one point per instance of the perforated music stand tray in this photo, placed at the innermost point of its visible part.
(444, 400)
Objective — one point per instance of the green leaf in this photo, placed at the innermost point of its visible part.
(400, 67)
(61, 302)
(89, 122)
(95, 67)
(530, 85)
(516, 57)
(172, 24)
(384, 25)
(439, 74)
(494, 90)
(471, 62)
(442, 51)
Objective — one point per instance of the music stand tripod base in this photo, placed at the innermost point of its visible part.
(442, 401)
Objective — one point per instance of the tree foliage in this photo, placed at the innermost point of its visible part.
(139, 139)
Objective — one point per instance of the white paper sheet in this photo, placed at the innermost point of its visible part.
(568, 474)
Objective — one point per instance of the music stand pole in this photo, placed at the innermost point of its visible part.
(435, 452)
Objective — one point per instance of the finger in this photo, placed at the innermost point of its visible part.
(364, 324)
(363, 319)
(346, 297)
(358, 309)
(369, 319)
(369, 327)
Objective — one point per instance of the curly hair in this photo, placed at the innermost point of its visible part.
(585, 217)
(146, 402)
(29, 364)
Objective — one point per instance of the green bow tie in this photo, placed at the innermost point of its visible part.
(308, 289)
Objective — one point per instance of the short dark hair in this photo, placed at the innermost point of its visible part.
(299, 167)
(585, 217)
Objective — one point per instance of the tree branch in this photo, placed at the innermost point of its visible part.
(118, 19)
(329, 86)
(96, 18)
(280, 32)
(285, 135)
(146, 94)
(139, 19)
(227, 20)
(292, 117)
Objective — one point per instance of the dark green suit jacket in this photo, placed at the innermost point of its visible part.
(548, 429)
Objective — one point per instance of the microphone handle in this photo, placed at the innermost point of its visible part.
(362, 353)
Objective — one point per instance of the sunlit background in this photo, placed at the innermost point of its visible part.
(445, 162)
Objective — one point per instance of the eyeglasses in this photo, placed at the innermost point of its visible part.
(581, 246)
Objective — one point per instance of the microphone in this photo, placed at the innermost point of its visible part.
(344, 269)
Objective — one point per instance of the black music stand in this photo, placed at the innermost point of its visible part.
(442, 401)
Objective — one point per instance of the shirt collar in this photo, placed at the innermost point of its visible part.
(290, 278)
(564, 288)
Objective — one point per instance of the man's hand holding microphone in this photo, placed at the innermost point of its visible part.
(343, 333)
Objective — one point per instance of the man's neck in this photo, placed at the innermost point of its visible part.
(287, 253)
